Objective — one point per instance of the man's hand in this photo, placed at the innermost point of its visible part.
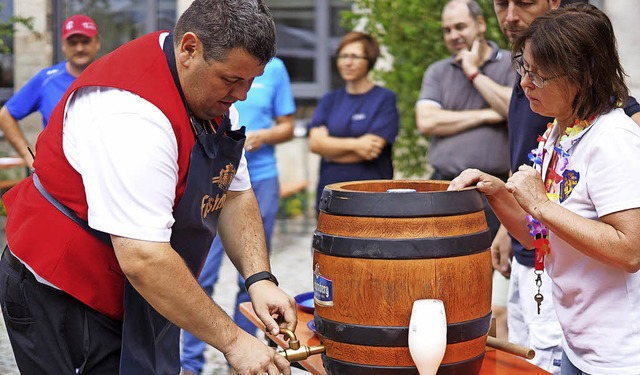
(501, 252)
(255, 140)
(249, 356)
(269, 300)
(471, 60)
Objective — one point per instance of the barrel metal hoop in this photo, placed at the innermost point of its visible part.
(382, 204)
(338, 367)
(402, 248)
(395, 336)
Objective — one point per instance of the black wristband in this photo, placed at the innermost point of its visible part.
(263, 275)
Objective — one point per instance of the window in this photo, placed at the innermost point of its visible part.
(119, 21)
(308, 32)
(6, 54)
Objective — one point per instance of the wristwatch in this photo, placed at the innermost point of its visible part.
(263, 275)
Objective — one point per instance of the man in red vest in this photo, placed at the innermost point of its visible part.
(141, 163)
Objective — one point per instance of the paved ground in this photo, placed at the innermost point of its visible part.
(291, 260)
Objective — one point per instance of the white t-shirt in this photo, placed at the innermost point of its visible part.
(598, 306)
(115, 136)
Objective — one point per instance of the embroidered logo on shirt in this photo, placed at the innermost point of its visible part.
(223, 180)
(225, 177)
(569, 181)
(358, 117)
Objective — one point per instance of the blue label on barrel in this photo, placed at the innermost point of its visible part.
(322, 289)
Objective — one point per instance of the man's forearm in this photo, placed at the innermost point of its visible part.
(162, 278)
(241, 231)
(13, 134)
(440, 122)
(496, 95)
(279, 133)
(282, 131)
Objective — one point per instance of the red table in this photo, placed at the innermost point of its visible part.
(10, 162)
(495, 362)
(7, 163)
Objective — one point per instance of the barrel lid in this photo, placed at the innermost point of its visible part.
(371, 198)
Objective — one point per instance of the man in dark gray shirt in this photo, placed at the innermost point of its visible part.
(464, 99)
(463, 107)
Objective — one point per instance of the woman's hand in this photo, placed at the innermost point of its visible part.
(370, 146)
(484, 182)
(527, 188)
(345, 149)
(501, 200)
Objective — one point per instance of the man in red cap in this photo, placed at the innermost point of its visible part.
(80, 44)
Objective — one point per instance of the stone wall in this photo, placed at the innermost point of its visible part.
(33, 51)
(624, 15)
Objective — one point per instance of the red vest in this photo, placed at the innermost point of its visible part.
(55, 247)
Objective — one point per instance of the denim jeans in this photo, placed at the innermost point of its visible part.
(567, 368)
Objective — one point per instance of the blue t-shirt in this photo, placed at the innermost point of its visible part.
(269, 97)
(41, 93)
(346, 115)
(524, 128)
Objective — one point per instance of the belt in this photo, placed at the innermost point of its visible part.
(16, 264)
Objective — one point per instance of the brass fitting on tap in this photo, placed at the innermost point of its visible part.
(297, 352)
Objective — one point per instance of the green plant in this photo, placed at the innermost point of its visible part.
(293, 205)
(7, 29)
(410, 30)
(17, 173)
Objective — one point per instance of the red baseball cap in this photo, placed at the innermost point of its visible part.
(79, 24)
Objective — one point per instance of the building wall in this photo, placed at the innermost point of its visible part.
(624, 15)
(182, 5)
(33, 51)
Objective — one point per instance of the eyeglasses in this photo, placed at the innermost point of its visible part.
(536, 79)
(344, 56)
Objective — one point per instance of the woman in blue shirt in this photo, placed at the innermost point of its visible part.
(353, 128)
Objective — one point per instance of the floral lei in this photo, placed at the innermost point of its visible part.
(537, 230)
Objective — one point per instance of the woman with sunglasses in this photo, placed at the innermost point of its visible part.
(578, 204)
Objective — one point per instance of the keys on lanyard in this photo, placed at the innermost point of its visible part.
(542, 248)
(538, 297)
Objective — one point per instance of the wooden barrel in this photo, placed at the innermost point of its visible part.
(375, 252)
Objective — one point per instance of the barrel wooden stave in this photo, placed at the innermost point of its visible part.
(399, 356)
(358, 282)
(415, 227)
(370, 292)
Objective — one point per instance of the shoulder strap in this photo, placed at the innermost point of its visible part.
(102, 236)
